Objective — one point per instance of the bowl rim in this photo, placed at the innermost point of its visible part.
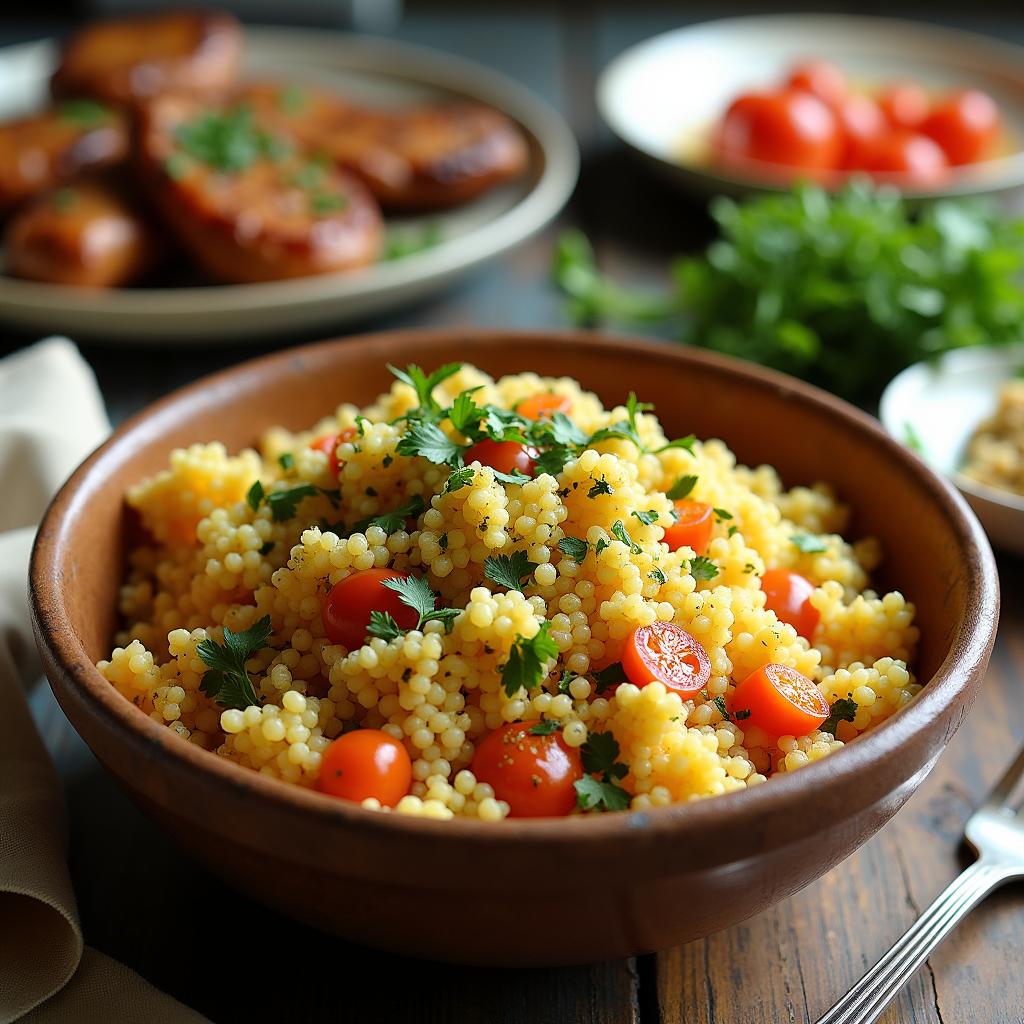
(970, 643)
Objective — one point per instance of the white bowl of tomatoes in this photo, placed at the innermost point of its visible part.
(761, 102)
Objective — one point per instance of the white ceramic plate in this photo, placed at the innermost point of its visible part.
(938, 405)
(380, 71)
(662, 96)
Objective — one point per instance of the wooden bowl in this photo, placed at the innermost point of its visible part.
(473, 892)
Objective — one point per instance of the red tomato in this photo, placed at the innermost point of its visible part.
(781, 701)
(965, 125)
(861, 122)
(791, 128)
(907, 156)
(328, 444)
(544, 404)
(366, 763)
(904, 104)
(534, 775)
(504, 456)
(821, 79)
(664, 652)
(347, 606)
(692, 528)
(788, 595)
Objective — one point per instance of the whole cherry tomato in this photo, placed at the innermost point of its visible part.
(907, 157)
(905, 105)
(504, 456)
(347, 606)
(965, 125)
(821, 79)
(366, 763)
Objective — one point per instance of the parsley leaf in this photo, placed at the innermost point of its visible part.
(658, 576)
(574, 548)
(685, 443)
(599, 755)
(415, 593)
(721, 515)
(527, 659)
(227, 682)
(382, 624)
(592, 794)
(646, 517)
(392, 522)
(563, 683)
(432, 443)
(736, 716)
(619, 533)
(702, 568)
(843, 710)
(465, 415)
(808, 543)
(610, 676)
(287, 461)
(255, 495)
(545, 728)
(228, 140)
(282, 504)
(423, 384)
(459, 478)
(552, 460)
(515, 477)
(509, 570)
(601, 486)
(681, 488)
(599, 759)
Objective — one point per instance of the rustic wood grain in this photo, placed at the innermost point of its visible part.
(791, 963)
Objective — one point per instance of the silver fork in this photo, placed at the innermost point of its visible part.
(997, 837)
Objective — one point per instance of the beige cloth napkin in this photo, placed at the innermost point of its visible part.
(51, 416)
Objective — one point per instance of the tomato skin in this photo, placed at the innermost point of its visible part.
(663, 652)
(966, 126)
(534, 775)
(788, 595)
(780, 700)
(861, 122)
(347, 606)
(820, 78)
(544, 404)
(328, 444)
(907, 156)
(905, 105)
(692, 528)
(791, 128)
(366, 763)
(504, 456)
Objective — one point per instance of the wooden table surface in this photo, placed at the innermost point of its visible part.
(144, 903)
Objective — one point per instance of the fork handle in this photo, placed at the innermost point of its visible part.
(864, 1003)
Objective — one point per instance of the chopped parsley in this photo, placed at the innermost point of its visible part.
(563, 683)
(601, 486)
(392, 522)
(574, 548)
(736, 716)
(610, 676)
(625, 429)
(430, 442)
(702, 568)
(619, 532)
(721, 515)
(843, 710)
(681, 488)
(287, 461)
(600, 789)
(227, 682)
(415, 593)
(646, 517)
(527, 661)
(228, 140)
(808, 543)
(399, 244)
(509, 571)
(284, 504)
(458, 479)
(658, 576)
(423, 384)
(545, 728)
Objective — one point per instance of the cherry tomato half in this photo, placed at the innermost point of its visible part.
(965, 125)
(861, 122)
(780, 700)
(789, 596)
(692, 528)
(791, 128)
(821, 79)
(544, 404)
(665, 653)
(905, 105)
(504, 456)
(534, 775)
(366, 763)
(328, 444)
(347, 606)
(908, 156)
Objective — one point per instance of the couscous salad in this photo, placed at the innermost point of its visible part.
(483, 598)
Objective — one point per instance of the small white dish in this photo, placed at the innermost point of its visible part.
(662, 96)
(935, 407)
(379, 71)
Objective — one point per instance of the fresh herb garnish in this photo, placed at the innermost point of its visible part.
(458, 479)
(808, 543)
(544, 728)
(600, 788)
(601, 486)
(721, 515)
(430, 442)
(646, 517)
(83, 113)
(613, 675)
(702, 568)
(229, 141)
(423, 384)
(392, 522)
(619, 532)
(509, 571)
(282, 504)
(681, 488)
(401, 243)
(287, 461)
(658, 576)
(842, 710)
(527, 660)
(227, 682)
(415, 593)
(574, 548)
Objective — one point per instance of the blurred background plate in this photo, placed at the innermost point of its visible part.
(936, 407)
(376, 70)
(662, 96)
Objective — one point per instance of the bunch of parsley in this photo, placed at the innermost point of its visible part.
(841, 290)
